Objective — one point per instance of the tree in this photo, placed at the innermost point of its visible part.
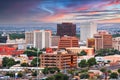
(53, 70)
(8, 62)
(5, 61)
(45, 70)
(34, 73)
(83, 63)
(34, 62)
(84, 76)
(106, 52)
(30, 53)
(91, 62)
(20, 74)
(11, 74)
(16, 36)
(11, 62)
(82, 53)
(24, 65)
(51, 78)
(103, 70)
(118, 71)
(114, 75)
(60, 76)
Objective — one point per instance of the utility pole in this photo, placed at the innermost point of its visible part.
(37, 64)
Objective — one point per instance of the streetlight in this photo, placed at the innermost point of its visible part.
(37, 64)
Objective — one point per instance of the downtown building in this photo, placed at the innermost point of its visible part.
(54, 41)
(103, 40)
(87, 30)
(61, 59)
(38, 39)
(68, 41)
(116, 43)
(68, 29)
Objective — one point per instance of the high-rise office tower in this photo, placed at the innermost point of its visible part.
(103, 40)
(40, 38)
(87, 30)
(68, 29)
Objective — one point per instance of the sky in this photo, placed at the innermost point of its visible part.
(57, 11)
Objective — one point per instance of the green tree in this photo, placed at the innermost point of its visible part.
(11, 62)
(34, 62)
(45, 70)
(83, 53)
(118, 71)
(53, 70)
(8, 62)
(20, 74)
(34, 73)
(103, 70)
(83, 63)
(5, 60)
(24, 65)
(91, 62)
(11, 74)
(51, 78)
(106, 52)
(16, 36)
(84, 76)
(30, 53)
(114, 75)
(60, 76)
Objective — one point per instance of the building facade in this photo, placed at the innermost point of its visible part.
(87, 30)
(68, 29)
(89, 51)
(116, 43)
(55, 40)
(68, 41)
(39, 38)
(91, 43)
(29, 37)
(103, 40)
(62, 61)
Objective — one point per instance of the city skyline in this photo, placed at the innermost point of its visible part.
(57, 11)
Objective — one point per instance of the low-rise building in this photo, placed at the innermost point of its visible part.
(60, 59)
(22, 58)
(10, 49)
(89, 51)
(112, 58)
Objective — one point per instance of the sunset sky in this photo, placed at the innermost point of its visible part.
(52, 11)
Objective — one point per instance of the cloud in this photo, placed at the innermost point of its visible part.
(58, 10)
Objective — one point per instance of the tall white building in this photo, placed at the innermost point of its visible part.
(87, 30)
(41, 39)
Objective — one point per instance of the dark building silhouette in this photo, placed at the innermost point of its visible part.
(3, 39)
(68, 29)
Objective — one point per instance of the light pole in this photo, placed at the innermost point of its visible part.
(65, 67)
(37, 64)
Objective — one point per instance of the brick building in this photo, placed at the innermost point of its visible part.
(61, 60)
(68, 41)
(103, 40)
